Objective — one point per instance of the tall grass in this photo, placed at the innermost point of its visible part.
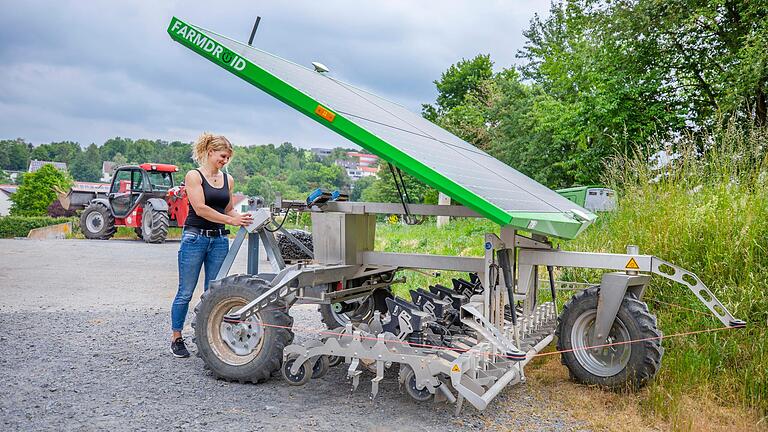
(462, 237)
(707, 212)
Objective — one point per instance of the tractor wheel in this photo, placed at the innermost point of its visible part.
(154, 224)
(621, 365)
(97, 222)
(359, 310)
(249, 351)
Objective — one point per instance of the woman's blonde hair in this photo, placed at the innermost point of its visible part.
(207, 142)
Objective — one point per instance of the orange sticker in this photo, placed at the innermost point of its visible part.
(325, 113)
(455, 368)
(632, 264)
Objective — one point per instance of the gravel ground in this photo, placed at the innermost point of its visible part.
(84, 346)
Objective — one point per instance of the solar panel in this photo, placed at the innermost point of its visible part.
(399, 136)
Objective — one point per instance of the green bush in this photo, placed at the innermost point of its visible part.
(19, 226)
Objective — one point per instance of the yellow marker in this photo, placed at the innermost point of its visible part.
(632, 264)
(455, 368)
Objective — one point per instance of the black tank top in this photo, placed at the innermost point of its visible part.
(215, 198)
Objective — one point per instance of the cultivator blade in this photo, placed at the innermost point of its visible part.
(441, 352)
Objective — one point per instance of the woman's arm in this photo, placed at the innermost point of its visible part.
(196, 196)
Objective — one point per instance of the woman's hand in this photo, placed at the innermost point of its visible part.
(244, 219)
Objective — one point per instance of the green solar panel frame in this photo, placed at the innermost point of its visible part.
(233, 57)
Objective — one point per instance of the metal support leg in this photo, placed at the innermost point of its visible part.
(253, 254)
(234, 248)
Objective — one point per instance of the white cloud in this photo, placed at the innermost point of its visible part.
(88, 71)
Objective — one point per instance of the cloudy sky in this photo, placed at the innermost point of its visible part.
(90, 70)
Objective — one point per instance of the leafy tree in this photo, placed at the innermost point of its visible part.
(359, 187)
(119, 160)
(64, 151)
(14, 154)
(35, 193)
(87, 165)
(384, 189)
(4, 177)
(712, 52)
(462, 78)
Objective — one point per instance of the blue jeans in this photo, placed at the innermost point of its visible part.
(195, 251)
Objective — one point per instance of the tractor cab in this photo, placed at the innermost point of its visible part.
(133, 185)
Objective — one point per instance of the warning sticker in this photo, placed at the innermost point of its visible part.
(632, 264)
(455, 368)
(325, 113)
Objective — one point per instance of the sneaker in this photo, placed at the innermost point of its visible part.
(178, 349)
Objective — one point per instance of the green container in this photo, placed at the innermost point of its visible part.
(592, 198)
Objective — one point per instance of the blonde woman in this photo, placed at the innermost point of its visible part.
(204, 240)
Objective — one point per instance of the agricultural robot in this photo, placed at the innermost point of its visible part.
(464, 342)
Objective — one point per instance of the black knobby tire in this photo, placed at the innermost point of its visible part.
(289, 250)
(227, 295)
(97, 222)
(636, 363)
(363, 311)
(154, 224)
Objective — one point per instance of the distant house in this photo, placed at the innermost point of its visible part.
(360, 166)
(35, 165)
(346, 164)
(6, 190)
(364, 159)
(354, 174)
(107, 169)
(240, 202)
(15, 176)
(321, 152)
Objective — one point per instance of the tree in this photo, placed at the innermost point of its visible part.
(461, 78)
(384, 189)
(64, 151)
(4, 177)
(119, 160)
(359, 186)
(35, 193)
(87, 165)
(14, 154)
(712, 52)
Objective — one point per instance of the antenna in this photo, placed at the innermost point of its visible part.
(253, 32)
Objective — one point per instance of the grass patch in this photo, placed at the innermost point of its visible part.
(706, 212)
(462, 237)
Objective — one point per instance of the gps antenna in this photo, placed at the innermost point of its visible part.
(253, 32)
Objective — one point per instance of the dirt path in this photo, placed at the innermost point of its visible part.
(84, 345)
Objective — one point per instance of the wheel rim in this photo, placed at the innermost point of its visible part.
(146, 221)
(603, 361)
(234, 344)
(94, 222)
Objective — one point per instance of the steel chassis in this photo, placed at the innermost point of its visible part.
(481, 365)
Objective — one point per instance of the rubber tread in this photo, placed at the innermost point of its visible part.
(645, 360)
(276, 331)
